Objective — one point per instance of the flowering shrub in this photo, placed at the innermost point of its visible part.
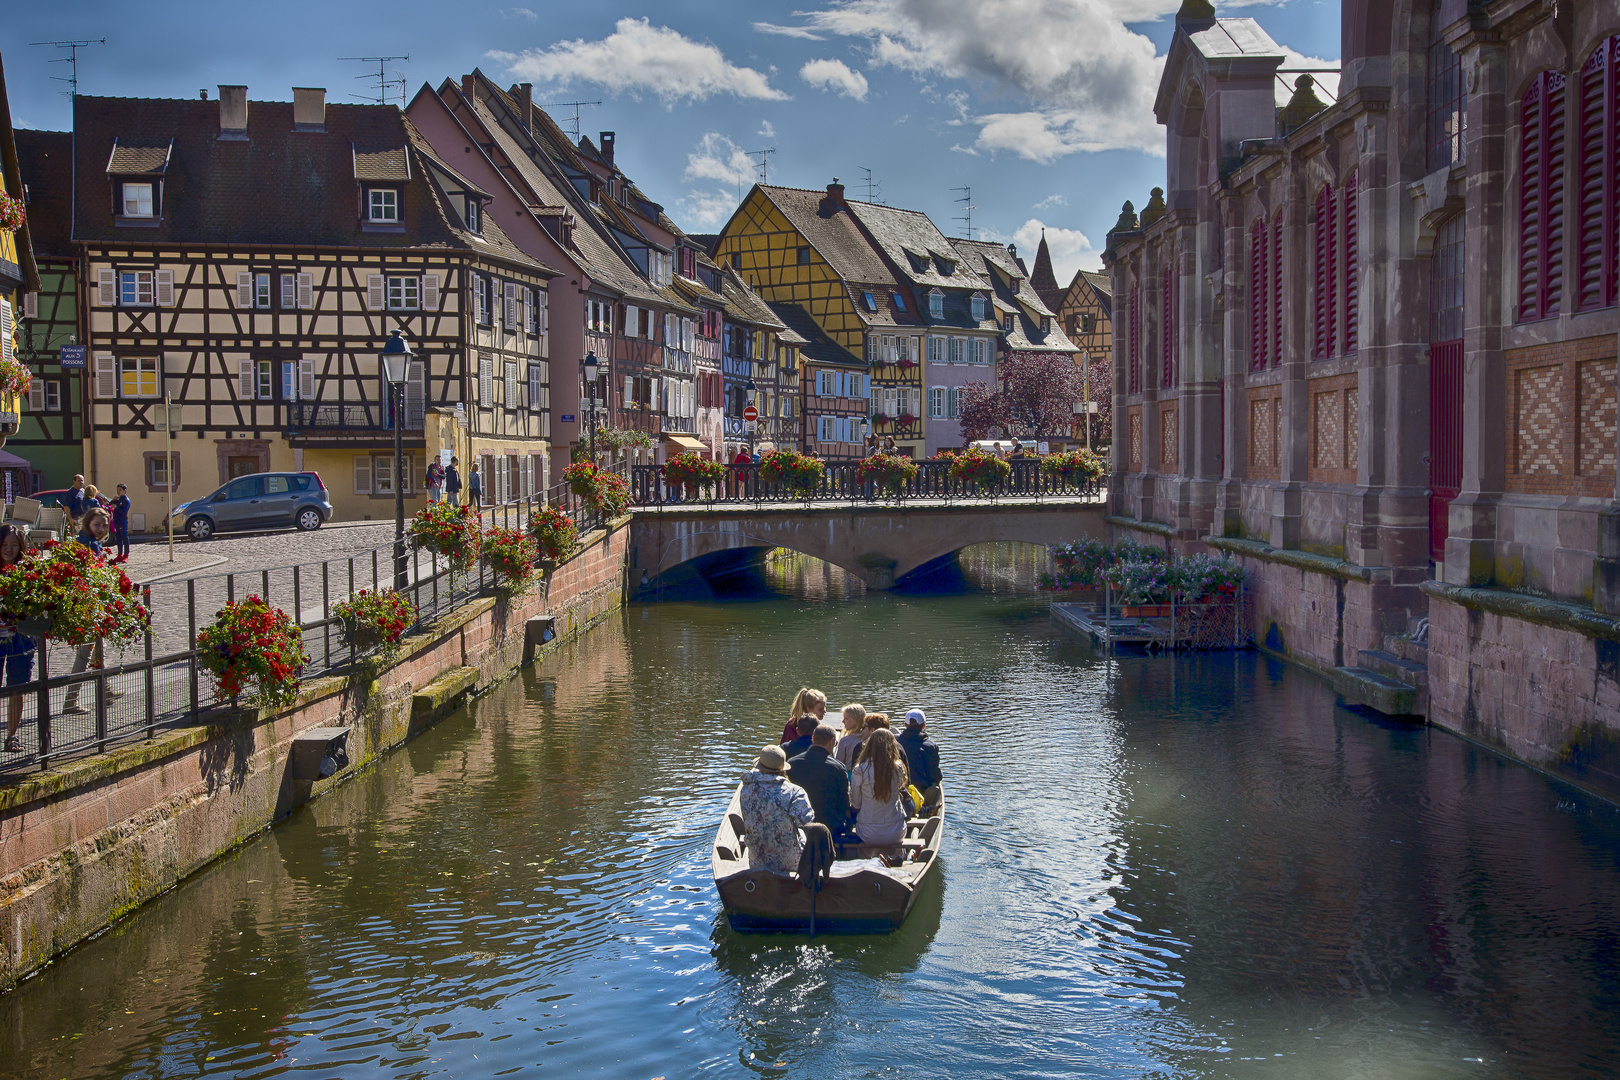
(1073, 465)
(1078, 565)
(1200, 578)
(12, 213)
(604, 492)
(449, 531)
(905, 419)
(15, 378)
(983, 470)
(891, 472)
(1140, 582)
(375, 619)
(554, 533)
(799, 473)
(72, 587)
(692, 471)
(880, 417)
(512, 552)
(619, 439)
(250, 641)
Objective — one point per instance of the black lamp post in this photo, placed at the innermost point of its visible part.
(591, 366)
(396, 359)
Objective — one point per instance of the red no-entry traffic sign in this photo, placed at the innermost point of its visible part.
(750, 414)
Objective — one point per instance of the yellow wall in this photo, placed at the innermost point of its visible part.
(769, 248)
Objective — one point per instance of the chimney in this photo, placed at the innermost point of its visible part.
(525, 100)
(607, 147)
(309, 108)
(202, 95)
(834, 200)
(469, 86)
(233, 110)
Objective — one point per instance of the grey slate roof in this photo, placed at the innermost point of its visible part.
(906, 235)
(817, 345)
(743, 304)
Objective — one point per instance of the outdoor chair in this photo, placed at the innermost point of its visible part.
(48, 525)
(23, 511)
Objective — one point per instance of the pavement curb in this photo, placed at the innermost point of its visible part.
(209, 565)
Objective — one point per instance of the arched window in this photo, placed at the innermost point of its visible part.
(1541, 196)
(1448, 105)
(1259, 294)
(1598, 175)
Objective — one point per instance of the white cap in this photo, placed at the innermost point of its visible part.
(915, 718)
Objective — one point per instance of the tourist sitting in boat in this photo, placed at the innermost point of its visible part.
(853, 735)
(922, 756)
(773, 810)
(875, 787)
(806, 700)
(824, 780)
(801, 740)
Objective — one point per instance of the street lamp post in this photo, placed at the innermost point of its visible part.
(753, 428)
(396, 359)
(591, 366)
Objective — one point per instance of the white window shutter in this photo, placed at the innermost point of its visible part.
(430, 292)
(289, 291)
(36, 396)
(106, 288)
(545, 311)
(306, 380)
(509, 305)
(106, 375)
(244, 289)
(30, 305)
(376, 292)
(362, 474)
(8, 331)
(244, 383)
(306, 291)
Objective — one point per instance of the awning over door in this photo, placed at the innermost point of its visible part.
(686, 442)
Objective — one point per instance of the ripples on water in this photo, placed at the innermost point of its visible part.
(1152, 869)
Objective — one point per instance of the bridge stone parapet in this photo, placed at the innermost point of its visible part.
(881, 544)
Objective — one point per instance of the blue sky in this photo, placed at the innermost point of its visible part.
(1042, 107)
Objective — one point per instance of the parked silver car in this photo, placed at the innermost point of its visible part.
(261, 501)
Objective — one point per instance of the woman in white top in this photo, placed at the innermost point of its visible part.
(850, 739)
(874, 790)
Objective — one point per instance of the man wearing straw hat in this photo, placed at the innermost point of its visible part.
(773, 810)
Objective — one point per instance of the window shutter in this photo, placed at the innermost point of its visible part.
(430, 292)
(8, 331)
(1167, 323)
(511, 385)
(486, 380)
(289, 291)
(1276, 289)
(376, 292)
(1135, 339)
(362, 474)
(244, 289)
(1319, 279)
(629, 391)
(1541, 196)
(306, 291)
(244, 382)
(30, 306)
(1595, 286)
(1259, 279)
(106, 375)
(414, 411)
(1349, 277)
(535, 394)
(509, 304)
(306, 380)
(106, 288)
(36, 395)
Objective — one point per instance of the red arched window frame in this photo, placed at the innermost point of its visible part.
(1350, 299)
(1277, 289)
(1167, 320)
(1541, 196)
(1134, 364)
(1259, 295)
(1597, 267)
(1324, 280)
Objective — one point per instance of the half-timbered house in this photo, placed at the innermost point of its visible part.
(18, 275)
(1086, 313)
(764, 353)
(50, 434)
(697, 279)
(248, 260)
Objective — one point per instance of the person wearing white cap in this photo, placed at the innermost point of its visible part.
(773, 811)
(922, 756)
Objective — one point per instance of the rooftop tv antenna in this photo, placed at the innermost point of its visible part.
(764, 162)
(384, 83)
(966, 216)
(874, 188)
(71, 60)
(572, 127)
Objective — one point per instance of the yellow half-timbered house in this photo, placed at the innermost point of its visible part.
(18, 276)
(248, 261)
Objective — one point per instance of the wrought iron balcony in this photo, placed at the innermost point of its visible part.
(338, 417)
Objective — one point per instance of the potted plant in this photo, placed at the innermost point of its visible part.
(1073, 466)
(68, 592)
(986, 472)
(690, 471)
(1142, 589)
(512, 553)
(799, 473)
(1077, 566)
(252, 642)
(891, 472)
(905, 419)
(605, 493)
(375, 620)
(880, 417)
(451, 532)
(13, 212)
(1202, 579)
(15, 378)
(554, 535)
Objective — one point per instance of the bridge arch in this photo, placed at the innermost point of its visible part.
(878, 544)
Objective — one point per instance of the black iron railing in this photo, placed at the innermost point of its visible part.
(840, 482)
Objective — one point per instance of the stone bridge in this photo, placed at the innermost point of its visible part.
(882, 544)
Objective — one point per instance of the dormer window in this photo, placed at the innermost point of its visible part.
(936, 304)
(474, 215)
(946, 266)
(871, 301)
(138, 201)
(1046, 324)
(382, 205)
(1007, 322)
(978, 308)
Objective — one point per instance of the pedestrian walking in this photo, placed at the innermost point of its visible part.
(452, 482)
(435, 481)
(475, 488)
(120, 524)
(97, 526)
(17, 649)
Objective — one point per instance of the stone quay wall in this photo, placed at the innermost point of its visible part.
(89, 841)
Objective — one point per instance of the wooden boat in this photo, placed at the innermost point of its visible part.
(863, 896)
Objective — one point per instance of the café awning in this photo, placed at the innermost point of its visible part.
(686, 442)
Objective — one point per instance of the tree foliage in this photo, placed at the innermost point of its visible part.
(1035, 398)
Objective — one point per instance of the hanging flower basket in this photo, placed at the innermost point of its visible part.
(905, 419)
(986, 472)
(799, 473)
(880, 417)
(890, 472)
(512, 553)
(1073, 466)
(375, 620)
(12, 212)
(449, 531)
(68, 592)
(605, 493)
(15, 378)
(554, 534)
(251, 642)
(690, 471)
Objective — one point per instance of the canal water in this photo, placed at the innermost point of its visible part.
(1152, 868)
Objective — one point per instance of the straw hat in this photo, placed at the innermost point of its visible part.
(772, 760)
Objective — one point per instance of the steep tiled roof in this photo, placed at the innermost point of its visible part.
(744, 304)
(817, 345)
(46, 158)
(836, 237)
(128, 160)
(986, 255)
(913, 244)
(1042, 279)
(493, 239)
(388, 163)
(707, 241)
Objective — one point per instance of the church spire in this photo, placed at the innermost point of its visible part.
(1042, 279)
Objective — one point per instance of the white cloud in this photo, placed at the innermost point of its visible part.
(708, 207)
(789, 31)
(1070, 248)
(718, 158)
(1089, 80)
(641, 58)
(1051, 201)
(518, 13)
(766, 130)
(835, 75)
(1327, 82)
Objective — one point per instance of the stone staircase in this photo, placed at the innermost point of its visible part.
(1393, 680)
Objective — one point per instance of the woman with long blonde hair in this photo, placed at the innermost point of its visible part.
(875, 787)
(853, 735)
(806, 701)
